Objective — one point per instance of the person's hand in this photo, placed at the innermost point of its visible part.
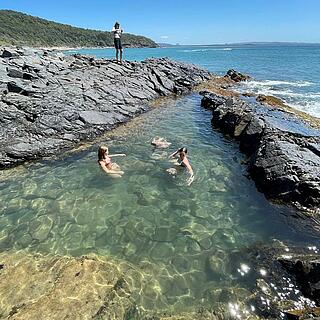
(190, 180)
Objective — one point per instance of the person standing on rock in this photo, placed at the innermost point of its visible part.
(117, 33)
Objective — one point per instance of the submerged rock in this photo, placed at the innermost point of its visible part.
(55, 287)
(46, 98)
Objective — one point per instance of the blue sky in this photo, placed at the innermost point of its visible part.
(187, 21)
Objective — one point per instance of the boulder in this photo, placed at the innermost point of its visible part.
(236, 76)
(9, 53)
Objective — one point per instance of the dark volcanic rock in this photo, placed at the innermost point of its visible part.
(46, 98)
(8, 53)
(306, 270)
(284, 151)
(236, 76)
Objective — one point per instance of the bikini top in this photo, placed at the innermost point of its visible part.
(105, 161)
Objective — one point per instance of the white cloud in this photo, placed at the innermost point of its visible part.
(164, 37)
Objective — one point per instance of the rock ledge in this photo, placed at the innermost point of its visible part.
(283, 150)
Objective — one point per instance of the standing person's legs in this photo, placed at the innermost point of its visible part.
(117, 55)
(117, 47)
(121, 55)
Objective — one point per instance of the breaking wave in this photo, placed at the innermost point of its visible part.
(297, 94)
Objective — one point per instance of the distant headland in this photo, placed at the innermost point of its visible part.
(24, 30)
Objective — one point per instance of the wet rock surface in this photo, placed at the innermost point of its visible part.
(278, 292)
(283, 149)
(50, 102)
(306, 270)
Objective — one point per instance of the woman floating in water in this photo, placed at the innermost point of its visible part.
(160, 142)
(182, 161)
(105, 162)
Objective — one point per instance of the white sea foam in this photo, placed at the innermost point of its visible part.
(279, 83)
(207, 49)
(308, 102)
(288, 94)
(310, 107)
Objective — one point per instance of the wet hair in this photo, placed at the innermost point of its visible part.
(184, 149)
(117, 25)
(101, 152)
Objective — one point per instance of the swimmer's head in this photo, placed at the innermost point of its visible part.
(102, 151)
(183, 150)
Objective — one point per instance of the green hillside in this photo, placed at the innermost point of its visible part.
(21, 29)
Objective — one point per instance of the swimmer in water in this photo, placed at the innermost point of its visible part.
(182, 160)
(105, 162)
(160, 142)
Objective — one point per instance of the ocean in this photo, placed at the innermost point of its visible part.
(288, 71)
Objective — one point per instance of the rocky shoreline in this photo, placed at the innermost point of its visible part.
(50, 102)
(283, 149)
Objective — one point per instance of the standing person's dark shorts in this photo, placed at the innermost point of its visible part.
(117, 43)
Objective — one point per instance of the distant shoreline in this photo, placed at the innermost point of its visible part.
(164, 45)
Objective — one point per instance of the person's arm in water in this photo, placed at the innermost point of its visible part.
(117, 155)
(172, 155)
(186, 162)
(190, 170)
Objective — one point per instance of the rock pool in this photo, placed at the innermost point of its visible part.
(180, 236)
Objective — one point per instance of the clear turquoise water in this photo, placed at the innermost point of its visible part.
(147, 217)
(291, 72)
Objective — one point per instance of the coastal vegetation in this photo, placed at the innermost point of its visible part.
(21, 29)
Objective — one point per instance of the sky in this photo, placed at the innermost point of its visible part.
(187, 21)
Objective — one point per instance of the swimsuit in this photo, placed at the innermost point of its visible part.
(106, 163)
